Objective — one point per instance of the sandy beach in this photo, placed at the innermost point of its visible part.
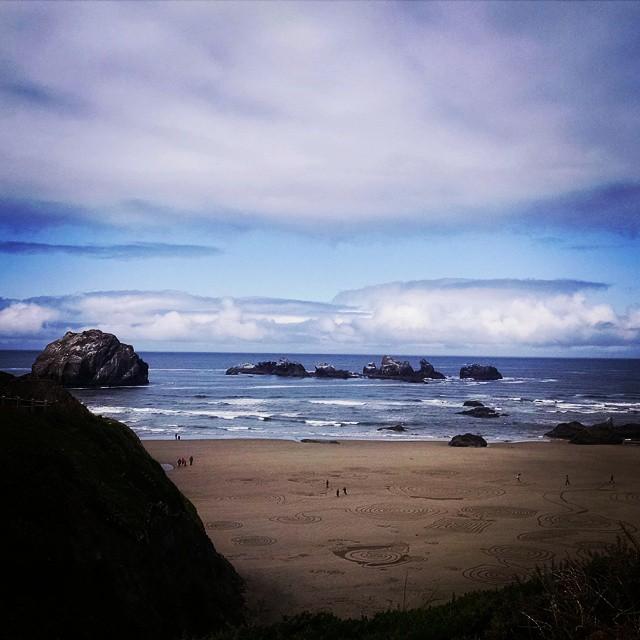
(420, 520)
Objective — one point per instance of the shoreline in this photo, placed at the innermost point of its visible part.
(449, 520)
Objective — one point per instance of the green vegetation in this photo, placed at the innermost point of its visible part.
(598, 599)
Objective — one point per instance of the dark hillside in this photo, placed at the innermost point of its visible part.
(99, 543)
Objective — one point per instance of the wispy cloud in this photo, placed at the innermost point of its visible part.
(132, 251)
(323, 115)
(440, 316)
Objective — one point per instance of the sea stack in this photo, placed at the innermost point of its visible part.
(91, 359)
(480, 372)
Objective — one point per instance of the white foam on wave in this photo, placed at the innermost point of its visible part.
(340, 403)
(322, 423)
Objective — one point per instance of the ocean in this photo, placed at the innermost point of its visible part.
(189, 394)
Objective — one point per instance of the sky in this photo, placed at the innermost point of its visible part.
(344, 177)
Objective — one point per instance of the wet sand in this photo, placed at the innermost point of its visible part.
(420, 520)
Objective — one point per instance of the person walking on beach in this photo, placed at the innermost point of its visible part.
(327, 484)
(611, 480)
(344, 490)
(190, 461)
(179, 462)
(566, 481)
(518, 477)
(337, 493)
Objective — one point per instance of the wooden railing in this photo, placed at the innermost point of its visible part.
(28, 404)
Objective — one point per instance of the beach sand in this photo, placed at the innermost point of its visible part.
(420, 521)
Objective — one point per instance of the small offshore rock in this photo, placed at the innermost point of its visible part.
(472, 403)
(468, 440)
(480, 372)
(481, 412)
(91, 359)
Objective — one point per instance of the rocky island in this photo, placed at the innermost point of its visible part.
(391, 369)
(91, 359)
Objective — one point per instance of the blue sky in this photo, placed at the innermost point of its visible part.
(179, 173)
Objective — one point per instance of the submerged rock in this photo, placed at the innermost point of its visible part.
(282, 367)
(481, 412)
(472, 403)
(391, 369)
(396, 427)
(109, 546)
(467, 440)
(480, 372)
(91, 359)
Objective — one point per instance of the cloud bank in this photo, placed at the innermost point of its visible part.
(437, 316)
(137, 250)
(321, 115)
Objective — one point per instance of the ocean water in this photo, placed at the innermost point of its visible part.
(189, 394)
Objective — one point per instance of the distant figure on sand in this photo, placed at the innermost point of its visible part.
(566, 480)
(611, 480)
(337, 493)
(178, 436)
(190, 461)
(518, 477)
(344, 490)
(179, 462)
(327, 484)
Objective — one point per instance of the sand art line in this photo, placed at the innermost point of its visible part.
(278, 499)
(298, 518)
(447, 493)
(491, 512)
(393, 511)
(628, 497)
(545, 535)
(375, 555)
(436, 473)
(223, 525)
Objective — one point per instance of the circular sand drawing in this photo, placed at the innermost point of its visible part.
(448, 493)
(392, 511)
(460, 525)
(519, 555)
(298, 518)
(490, 512)
(629, 497)
(545, 535)
(587, 521)
(490, 574)
(375, 556)
(254, 541)
(223, 525)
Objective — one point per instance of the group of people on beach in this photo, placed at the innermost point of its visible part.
(344, 490)
(183, 463)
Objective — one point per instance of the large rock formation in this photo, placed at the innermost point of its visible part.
(467, 440)
(283, 367)
(480, 372)
(391, 369)
(100, 543)
(600, 433)
(91, 359)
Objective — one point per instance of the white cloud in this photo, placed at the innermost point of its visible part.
(20, 319)
(311, 113)
(432, 316)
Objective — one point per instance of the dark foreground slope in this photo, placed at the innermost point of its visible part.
(98, 542)
(596, 599)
